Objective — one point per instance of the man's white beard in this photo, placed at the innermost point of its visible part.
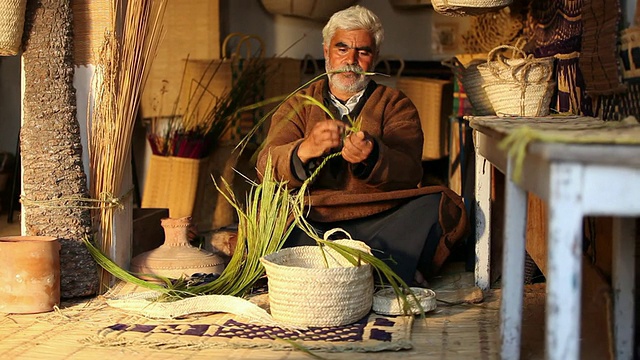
(349, 85)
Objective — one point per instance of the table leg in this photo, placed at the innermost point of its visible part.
(623, 253)
(483, 221)
(515, 232)
(564, 263)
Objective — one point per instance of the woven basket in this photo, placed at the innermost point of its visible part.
(11, 26)
(465, 67)
(468, 7)
(518, 86)
(319, 10)
(630, 52)
(434, 100)
(172, 183)
(386, 302)
(304, 292)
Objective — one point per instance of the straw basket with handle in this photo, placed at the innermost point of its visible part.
(304, 290)
(468, 7)
(465, 68)
(518, 86)
(12, 14)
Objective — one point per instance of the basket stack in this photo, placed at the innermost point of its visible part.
(468, 7)
(518, 86)
(304, 292)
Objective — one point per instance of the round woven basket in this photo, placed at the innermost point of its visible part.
(386, 302)
(518, 86)
(468, 7)
(304, 292)
(11, 26)
(471, 80)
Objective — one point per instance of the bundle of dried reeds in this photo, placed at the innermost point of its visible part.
(129, 47)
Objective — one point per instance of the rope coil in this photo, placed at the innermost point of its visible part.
(106, 201)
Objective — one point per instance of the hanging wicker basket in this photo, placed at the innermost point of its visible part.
(518, 86)
(12, 14)
(468, 7)
(304, 291)
(318, 10)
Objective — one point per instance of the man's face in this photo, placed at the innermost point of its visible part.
(352, 50)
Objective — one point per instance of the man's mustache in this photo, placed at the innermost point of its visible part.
(350, 68)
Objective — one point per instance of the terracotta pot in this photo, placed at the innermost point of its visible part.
(176, 258)
(29, 274)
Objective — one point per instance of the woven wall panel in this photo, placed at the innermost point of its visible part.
(191, 28)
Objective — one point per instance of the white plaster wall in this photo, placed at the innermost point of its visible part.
(407, 32)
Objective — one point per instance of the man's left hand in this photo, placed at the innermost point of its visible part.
(357, 147)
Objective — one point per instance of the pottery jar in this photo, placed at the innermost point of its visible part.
(29, 274)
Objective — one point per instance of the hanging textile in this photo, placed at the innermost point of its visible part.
(555, 29)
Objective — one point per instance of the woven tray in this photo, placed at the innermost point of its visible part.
(386, 302)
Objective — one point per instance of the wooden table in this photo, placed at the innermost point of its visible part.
(579, 166)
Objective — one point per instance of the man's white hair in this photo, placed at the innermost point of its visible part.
(354, 18)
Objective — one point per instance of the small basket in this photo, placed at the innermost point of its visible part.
(304, 292)
(518, 86)
(12, 14)
(468, 7)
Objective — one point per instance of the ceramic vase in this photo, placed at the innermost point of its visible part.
(176, 257)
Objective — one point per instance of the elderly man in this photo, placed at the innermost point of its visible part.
(372, 189)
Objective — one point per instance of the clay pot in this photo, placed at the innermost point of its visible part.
(176, 257)
(29, 274)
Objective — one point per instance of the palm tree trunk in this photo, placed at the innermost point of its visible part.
(50, 144)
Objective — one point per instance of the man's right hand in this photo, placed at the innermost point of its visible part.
(324, 136)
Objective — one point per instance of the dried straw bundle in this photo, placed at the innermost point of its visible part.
(129, 47)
